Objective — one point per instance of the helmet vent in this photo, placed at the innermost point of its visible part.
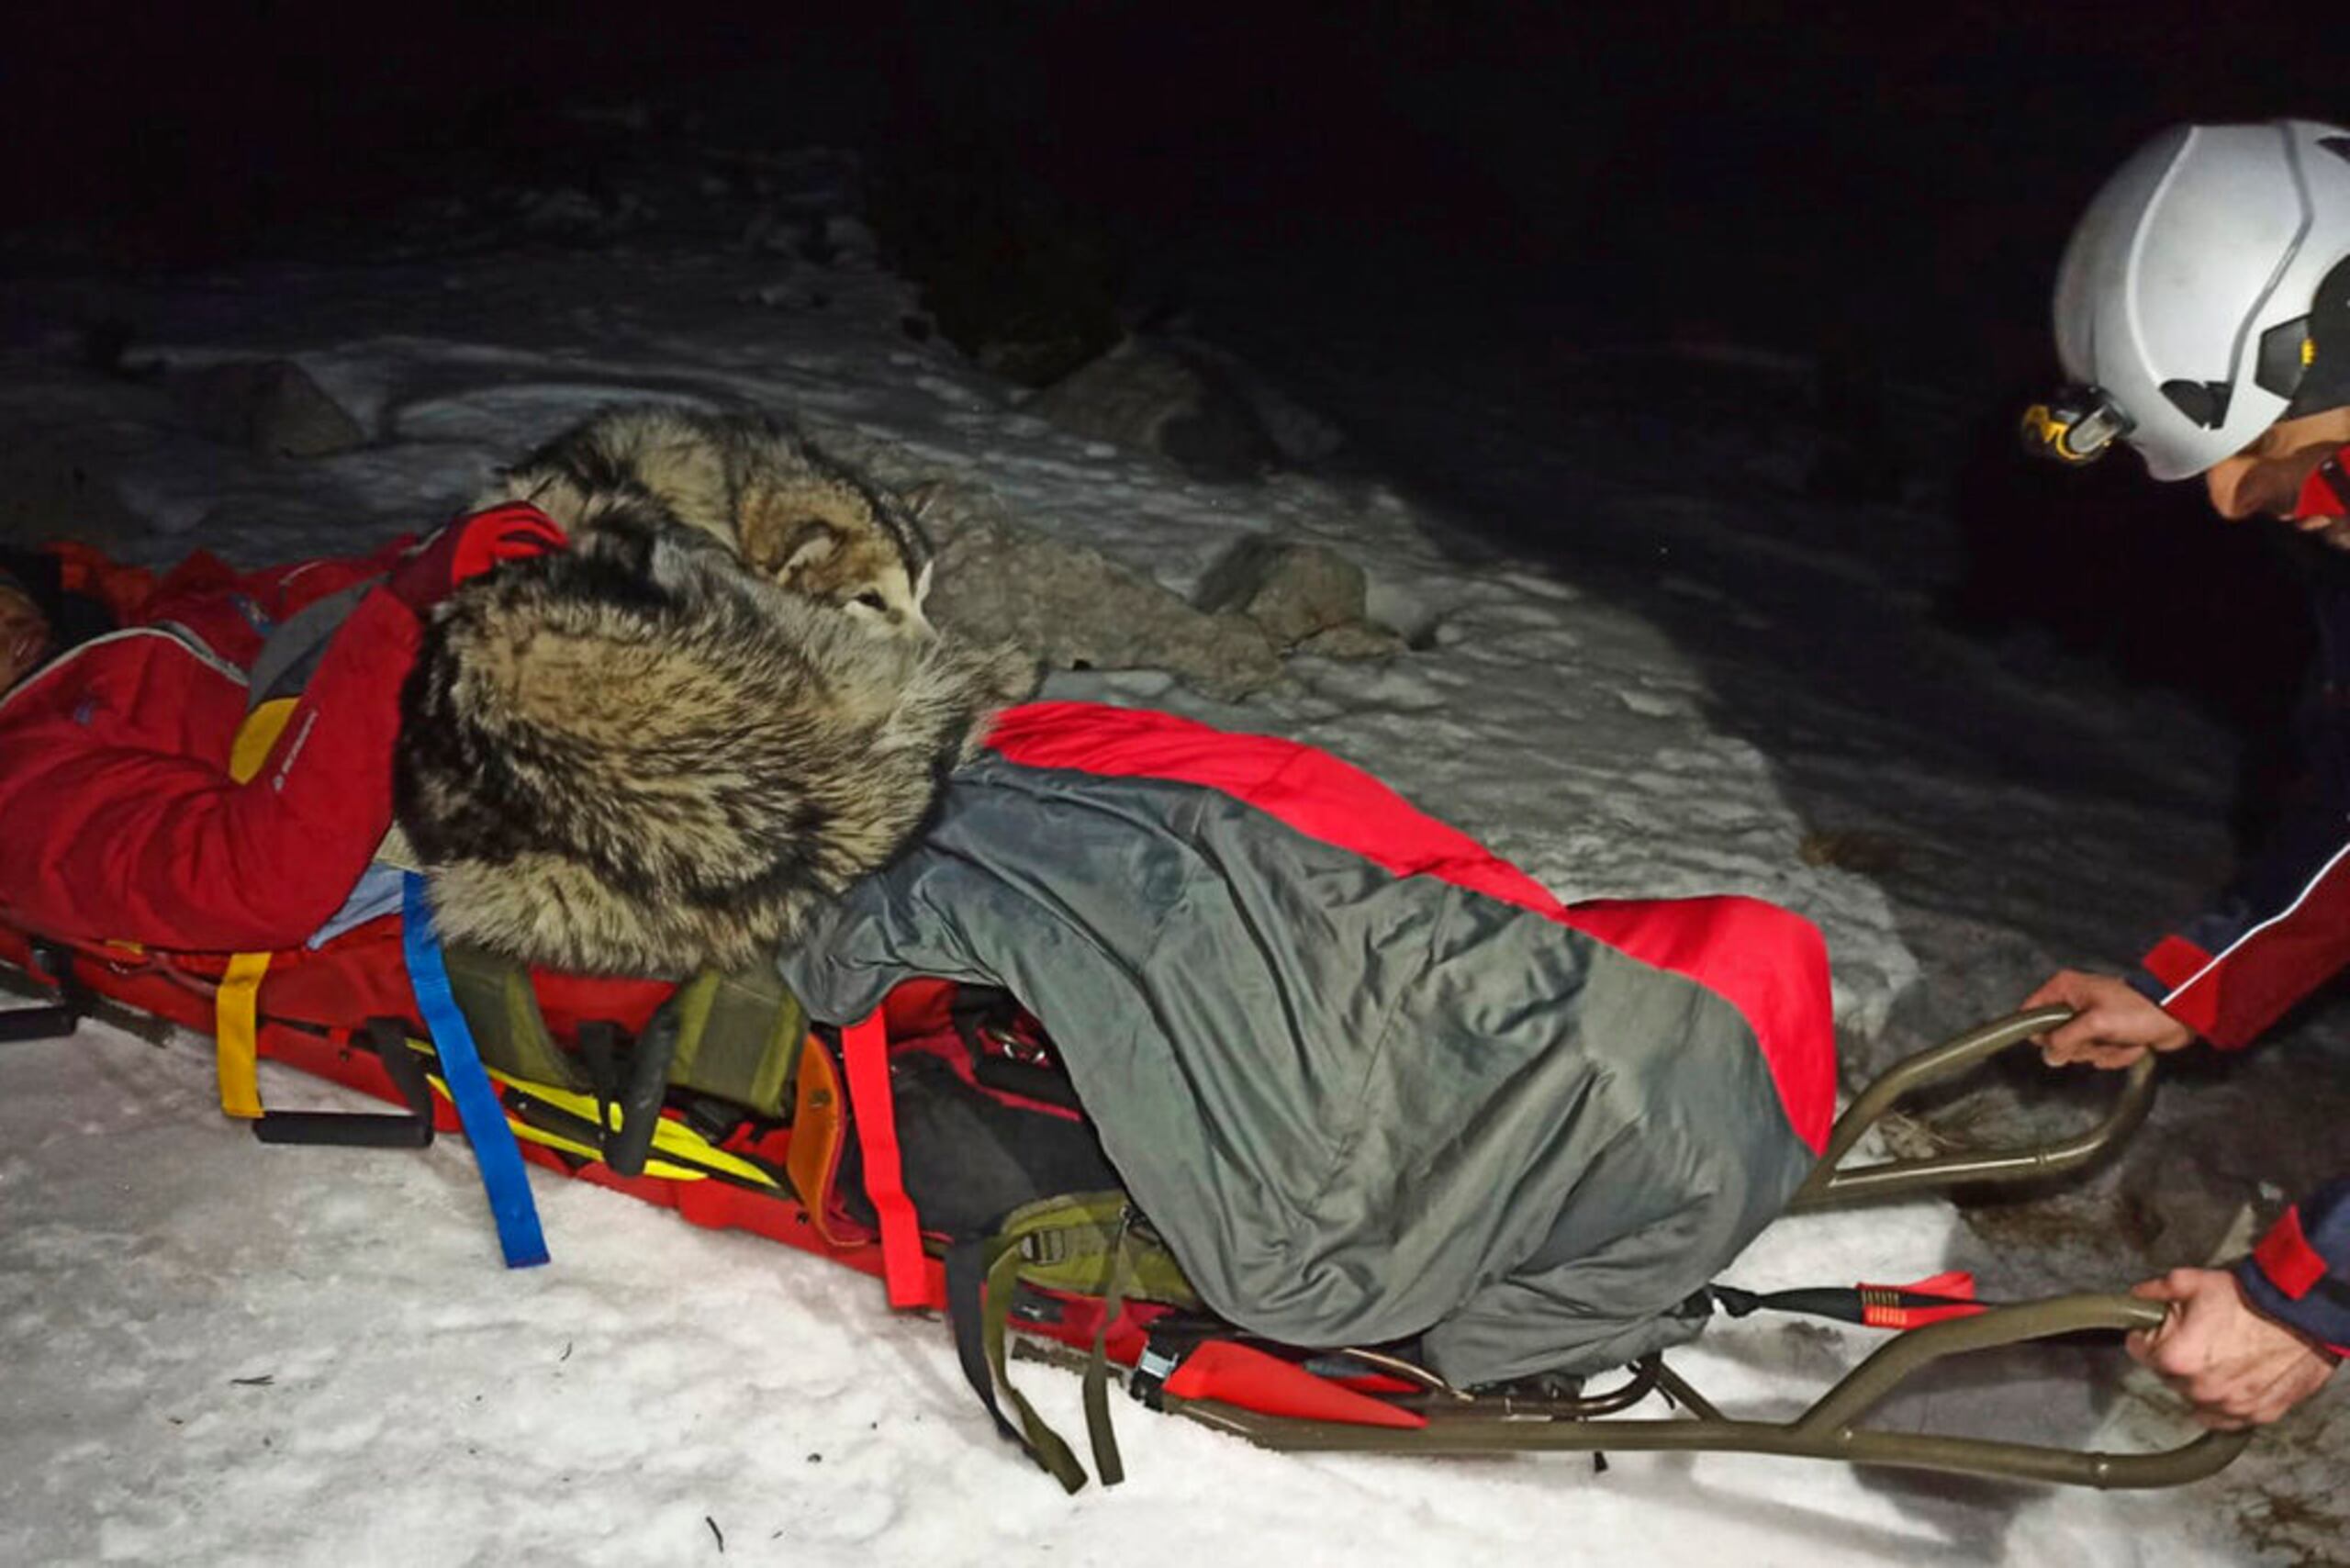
(2337, 145)
(2205, 402)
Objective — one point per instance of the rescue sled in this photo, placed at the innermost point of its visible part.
(889, 1145)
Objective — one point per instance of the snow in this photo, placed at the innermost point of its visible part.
(220, 1352)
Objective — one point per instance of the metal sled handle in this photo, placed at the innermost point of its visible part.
(1829, 1423)
(1829, 1429)
(1827, 1186)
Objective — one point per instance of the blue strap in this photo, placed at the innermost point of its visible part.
(503, 1174)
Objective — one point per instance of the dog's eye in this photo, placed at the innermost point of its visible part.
(871, 601)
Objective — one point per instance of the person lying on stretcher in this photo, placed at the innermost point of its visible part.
(131, 817)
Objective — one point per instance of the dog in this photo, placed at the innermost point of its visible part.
(645, 755)
(814, 525)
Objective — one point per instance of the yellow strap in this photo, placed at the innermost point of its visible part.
(257, 736)
(691, 1157)
(653, 1166)
(239, 1040)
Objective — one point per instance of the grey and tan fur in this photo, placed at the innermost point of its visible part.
(637, 756)
(816, 525)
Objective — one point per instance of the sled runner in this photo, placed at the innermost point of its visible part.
(1934, 1327)
(937, 1145)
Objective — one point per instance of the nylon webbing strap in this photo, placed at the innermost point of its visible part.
(1104, 1436)
(740, 1038)
(864, 1061)
(503, 1175)
(509, 1030)
(982, 1278)
(236, 1035)
(1875, 1306)
(736, 1036)
(967, 1278)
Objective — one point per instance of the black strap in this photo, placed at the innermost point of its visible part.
(967, 1276)
(640, 1101)
(387, 1037)
(48, 1020)
(43, 1020)
(599, 1042)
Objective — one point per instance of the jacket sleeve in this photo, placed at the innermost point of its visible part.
(2279, 932)
(2282, 927)
(125, 825)
(2299, 1274)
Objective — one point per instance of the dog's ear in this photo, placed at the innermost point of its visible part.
(779, 546)
(921, 499)
(806, 543)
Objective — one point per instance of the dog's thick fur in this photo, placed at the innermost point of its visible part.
(637, 757)
(813, 523)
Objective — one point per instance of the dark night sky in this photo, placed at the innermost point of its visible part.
(1898, 179)
(1682, 160)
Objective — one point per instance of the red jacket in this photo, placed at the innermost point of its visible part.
(122, 819)
(2280, 930)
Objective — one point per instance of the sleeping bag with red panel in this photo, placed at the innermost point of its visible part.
(1369, 1081)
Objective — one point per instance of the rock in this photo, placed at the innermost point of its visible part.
(1291, 590)
(1152, 395)
(850, 240)
(1078, 610)
(271, 406)
(1356, 639)
(1308, 598)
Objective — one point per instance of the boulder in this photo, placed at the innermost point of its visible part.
(1151, 396)
(1308, 598)
(1292, 591)
(271, 406)
(1078, 610)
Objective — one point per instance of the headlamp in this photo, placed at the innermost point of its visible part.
(2077, 425)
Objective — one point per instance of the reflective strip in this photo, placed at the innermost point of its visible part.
(670, 1138)
(237, 1036)
(540, 1136)
(2285, 914)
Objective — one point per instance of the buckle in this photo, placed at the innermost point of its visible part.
(2078, 424)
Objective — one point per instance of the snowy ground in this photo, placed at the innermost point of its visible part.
(222, 1353)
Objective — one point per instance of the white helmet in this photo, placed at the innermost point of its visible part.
(2184, 301)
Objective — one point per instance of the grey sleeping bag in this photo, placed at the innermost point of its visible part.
(1369, 1081)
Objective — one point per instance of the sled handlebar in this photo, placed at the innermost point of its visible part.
(1832, 1423)
(1827, 1185)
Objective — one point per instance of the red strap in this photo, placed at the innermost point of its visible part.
(1243, 1375)
(1883, 1306)
(2285, 1255)
(1958, 1283)
(865, 1060)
